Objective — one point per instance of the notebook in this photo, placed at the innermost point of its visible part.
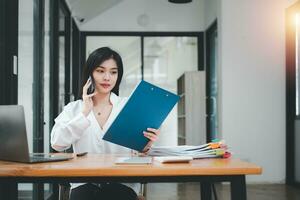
(133, 160)
(13, 138)
(147, 107)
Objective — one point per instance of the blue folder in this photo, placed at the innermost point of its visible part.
(147, 107)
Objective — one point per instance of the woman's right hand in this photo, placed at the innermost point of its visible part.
(87, 98)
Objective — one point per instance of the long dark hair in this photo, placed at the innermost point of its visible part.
(95, 59)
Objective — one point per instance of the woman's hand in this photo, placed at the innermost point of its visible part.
(152, 135)
(87, 98)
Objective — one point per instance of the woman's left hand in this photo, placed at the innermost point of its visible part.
(152, 135)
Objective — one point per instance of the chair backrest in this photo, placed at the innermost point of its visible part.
(64, 191)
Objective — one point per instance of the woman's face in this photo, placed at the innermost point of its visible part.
(105, 76)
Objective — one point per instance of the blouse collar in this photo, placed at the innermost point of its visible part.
(113, 98)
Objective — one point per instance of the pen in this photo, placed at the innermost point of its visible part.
(81, 154)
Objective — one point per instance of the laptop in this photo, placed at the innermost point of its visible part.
(13, 138)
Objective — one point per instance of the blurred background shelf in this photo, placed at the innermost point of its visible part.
(191, 108)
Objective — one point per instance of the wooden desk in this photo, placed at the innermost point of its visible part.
(101, 168)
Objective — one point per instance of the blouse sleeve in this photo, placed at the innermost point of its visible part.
(69, 127)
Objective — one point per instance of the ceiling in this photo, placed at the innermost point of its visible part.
(145, 15)
(85, 10)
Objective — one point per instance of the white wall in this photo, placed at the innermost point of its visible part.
(211, 12)
(159, 15)
(252, 37)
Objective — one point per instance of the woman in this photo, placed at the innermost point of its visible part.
(83, 123)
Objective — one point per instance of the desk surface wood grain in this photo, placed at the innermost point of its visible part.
(103, 165)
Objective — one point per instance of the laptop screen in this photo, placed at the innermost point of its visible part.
(13, 135)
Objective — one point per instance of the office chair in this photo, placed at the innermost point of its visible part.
(65, 189)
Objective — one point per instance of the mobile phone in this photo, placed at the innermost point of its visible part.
(91, 89)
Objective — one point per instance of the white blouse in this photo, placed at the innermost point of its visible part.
(84, 132)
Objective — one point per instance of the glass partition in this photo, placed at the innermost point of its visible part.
(165, 60)
(61, 60)
(297, 121)
(25, 73)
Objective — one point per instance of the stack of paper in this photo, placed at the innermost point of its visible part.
(209, 150)
(173, 159)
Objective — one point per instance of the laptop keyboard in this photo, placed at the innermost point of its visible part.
(39, 158)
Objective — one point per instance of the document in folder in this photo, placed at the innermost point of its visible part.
(147, 107)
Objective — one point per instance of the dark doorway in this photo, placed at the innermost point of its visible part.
(292, 94)
(212, 81)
